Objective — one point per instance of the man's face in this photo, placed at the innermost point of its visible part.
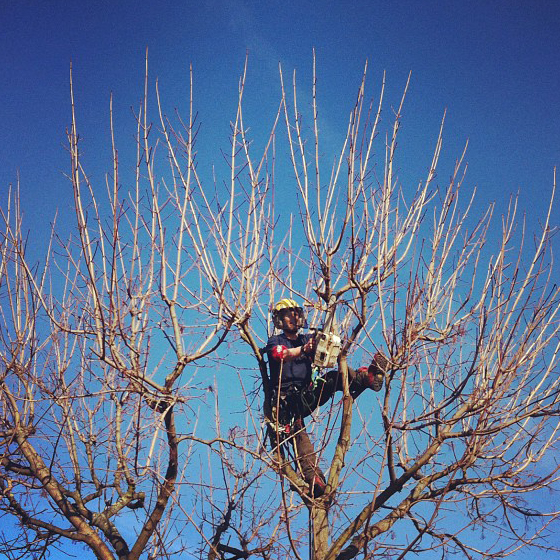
(290, 320)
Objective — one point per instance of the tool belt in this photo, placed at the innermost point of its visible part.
(286, 406)
(290, 405)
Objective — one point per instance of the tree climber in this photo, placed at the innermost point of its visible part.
(295, 395)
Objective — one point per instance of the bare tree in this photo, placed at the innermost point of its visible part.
(111, 347)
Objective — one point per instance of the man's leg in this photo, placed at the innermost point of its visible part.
(364, 378)
(307, 459)
(289, 426)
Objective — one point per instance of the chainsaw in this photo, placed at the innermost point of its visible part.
(327, 343)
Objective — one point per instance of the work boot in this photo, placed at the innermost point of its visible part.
(318, 486)
(377, 370)
(372, 377)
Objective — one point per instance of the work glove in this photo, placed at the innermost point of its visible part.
(279, 352)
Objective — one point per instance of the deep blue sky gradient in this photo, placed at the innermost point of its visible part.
(495, 67)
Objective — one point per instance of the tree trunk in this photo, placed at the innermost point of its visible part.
(320, 530)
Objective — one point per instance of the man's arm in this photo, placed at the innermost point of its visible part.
(280, 352)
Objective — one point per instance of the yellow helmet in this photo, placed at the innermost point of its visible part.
(287, 303)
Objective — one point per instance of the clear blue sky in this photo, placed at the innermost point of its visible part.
(493, 64)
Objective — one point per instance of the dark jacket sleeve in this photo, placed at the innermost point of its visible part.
(273, 341)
